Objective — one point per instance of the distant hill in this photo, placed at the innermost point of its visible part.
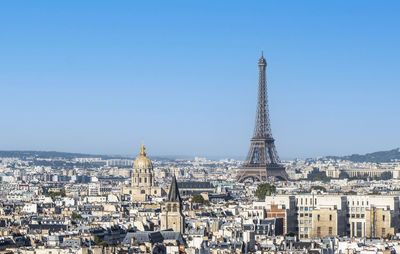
(51, 154)
(383, 156)
(69, 156)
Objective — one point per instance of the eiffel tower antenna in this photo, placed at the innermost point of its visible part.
(262, 160)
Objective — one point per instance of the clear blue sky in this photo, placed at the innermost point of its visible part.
(101, 76)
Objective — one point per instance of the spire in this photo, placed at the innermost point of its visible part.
(262, 61)
(142, 150)
(173, 194)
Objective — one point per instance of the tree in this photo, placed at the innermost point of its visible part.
(198, 199)
(76, 216)
(343, 175)
(264, 189)
(97, 241)
(318, 176)
(103, 243)
(386, 175)
(56, 194)
(318, 188)
(375, 192)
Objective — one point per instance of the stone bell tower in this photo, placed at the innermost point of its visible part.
(171, 214)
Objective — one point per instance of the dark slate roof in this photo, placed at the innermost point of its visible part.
(172, 235)
(141, 237)
(226, 246)
(195, 185)
(173, 194)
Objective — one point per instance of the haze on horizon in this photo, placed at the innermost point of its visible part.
(100, 77)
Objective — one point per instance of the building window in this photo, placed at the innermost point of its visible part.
(330, 217)
(319, 231)
(383, 232)
(359, 229)
(383, 217)
(318, 217)
(330, 230)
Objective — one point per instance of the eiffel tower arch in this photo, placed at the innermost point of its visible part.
(262, 160)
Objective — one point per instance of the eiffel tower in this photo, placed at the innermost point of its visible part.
(262, 160)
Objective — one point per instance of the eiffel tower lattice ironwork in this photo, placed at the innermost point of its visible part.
(262, 160)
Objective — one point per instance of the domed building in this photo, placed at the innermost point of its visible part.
(142, 174)
(142, 186)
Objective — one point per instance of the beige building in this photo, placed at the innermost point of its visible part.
(325, 222)
(325, 215)
(366, 171)
(326, 208)
(373, 216)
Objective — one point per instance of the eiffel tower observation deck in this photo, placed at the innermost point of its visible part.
(262, 160)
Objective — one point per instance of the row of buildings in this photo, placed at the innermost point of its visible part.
(319, 215)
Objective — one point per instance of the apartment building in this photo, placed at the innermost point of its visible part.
(320, 215)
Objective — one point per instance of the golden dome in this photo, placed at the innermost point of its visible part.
(142, 161)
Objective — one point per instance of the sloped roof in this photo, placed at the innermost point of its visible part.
(173, 194)
(195, 185)
(141, 237)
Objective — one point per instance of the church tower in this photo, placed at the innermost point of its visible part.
(142, 174)
(171, 214)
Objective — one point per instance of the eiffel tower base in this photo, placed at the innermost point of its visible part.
(261, 174)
